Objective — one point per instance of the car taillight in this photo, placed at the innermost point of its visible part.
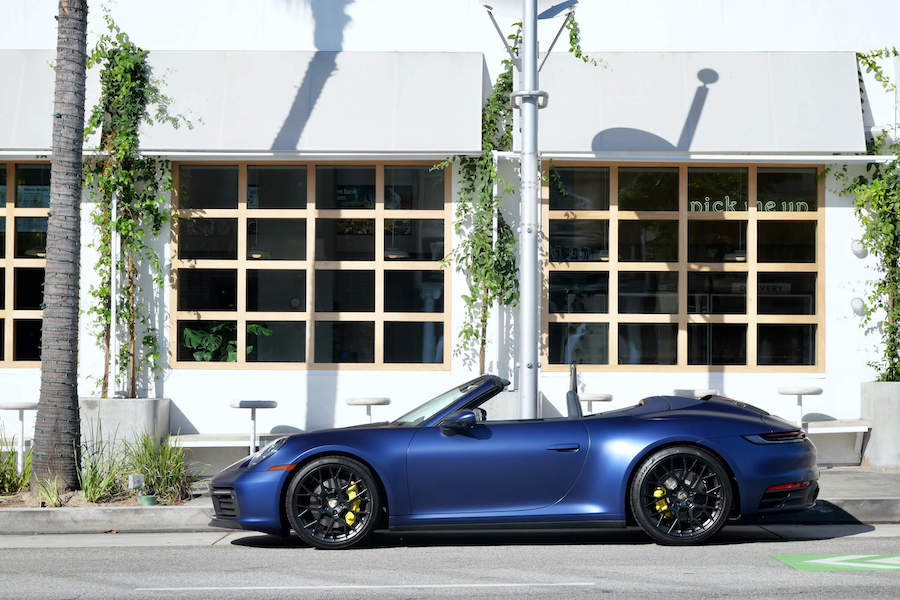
(788, 486)
(783, 436)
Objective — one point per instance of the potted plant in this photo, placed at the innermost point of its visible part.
(130, 194)
(877, 194)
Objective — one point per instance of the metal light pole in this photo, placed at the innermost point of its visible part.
(529, 325)
(528, 99)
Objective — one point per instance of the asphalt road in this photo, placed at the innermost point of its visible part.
(617, 564)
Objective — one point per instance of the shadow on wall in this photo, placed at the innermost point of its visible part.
(321, 399)
(637, 140)
(329, 21)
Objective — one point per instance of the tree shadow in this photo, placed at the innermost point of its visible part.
(329, 20)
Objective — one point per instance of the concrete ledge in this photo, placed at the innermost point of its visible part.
(101, 518)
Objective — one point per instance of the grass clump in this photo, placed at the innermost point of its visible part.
(102, 472)
(163, 466)
(10, 481)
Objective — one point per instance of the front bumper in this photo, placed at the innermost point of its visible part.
(249, 498)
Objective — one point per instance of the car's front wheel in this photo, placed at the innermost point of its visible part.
(333, 502)
(681, 495)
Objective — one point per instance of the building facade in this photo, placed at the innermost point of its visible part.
(694, 235)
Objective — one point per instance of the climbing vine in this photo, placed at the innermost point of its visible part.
(486, 252)
(139, 187)
(877, 205)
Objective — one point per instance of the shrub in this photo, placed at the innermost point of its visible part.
(10, 481)
(163, 466)
(102, 469)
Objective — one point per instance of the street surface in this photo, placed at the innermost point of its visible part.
(615, 563)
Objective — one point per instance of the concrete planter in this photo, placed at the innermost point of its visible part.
(123, 418)
(881, 405)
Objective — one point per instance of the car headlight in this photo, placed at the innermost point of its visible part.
(267, 451)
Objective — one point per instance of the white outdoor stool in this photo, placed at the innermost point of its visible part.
(707, 392)
(800, 392)
(253, 405)
(591, 398)
(20, 406)
(368, 403)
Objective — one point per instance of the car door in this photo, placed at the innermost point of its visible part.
(501, 466)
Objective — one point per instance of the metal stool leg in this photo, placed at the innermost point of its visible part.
(20, 455)
(252, 431)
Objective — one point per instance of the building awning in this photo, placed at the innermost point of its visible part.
(287, 103)
(675, 104)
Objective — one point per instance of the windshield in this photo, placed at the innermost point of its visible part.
(425, 411)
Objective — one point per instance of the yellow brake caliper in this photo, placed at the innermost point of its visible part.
(661, 505)
(350, 517)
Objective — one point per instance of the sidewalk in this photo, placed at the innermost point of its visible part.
(848, 495)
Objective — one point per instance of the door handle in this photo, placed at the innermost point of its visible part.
(565, 447)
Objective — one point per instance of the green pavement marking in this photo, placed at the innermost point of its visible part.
(842, 562)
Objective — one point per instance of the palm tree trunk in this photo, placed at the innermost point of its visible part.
(57, 429)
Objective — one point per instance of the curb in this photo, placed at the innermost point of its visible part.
(27, 521)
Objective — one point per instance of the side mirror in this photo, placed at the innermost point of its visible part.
(458, 421)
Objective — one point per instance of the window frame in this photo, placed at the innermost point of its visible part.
(751, 266)
(9, 314)
(310, 265)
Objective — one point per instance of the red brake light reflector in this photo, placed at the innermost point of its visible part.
(788, 486)
(781, 436)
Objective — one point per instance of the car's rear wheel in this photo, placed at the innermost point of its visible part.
(681, 495)
(333, 502)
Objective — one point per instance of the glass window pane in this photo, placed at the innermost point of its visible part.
(207, 289)
(648, 292)
(717, 189)
(345, 239)
(717, 241)
(345, 342)
(207, 341)
(349, 291)
(579, 241)
(579, 188)
(2, 339)
(414, 291)
(207, 238)
(579, 292)
(786, 345)
(28, 289)
(27, 339)
(33, 186)
(2, 237)
(413, 342)
(413, 188)
(717, 344)
(2, 185)
(717, 293)
(276, 290)
(413, 239)
(276, 186)
(276, 239)
(276, 341)
(208, 186)
(786, 241)
(582, 343)
(648, 343)
(2, 289)
(786, 189)
(345, 187)
(786, 293)
(648, 188)
(648, 241)
(31, 237)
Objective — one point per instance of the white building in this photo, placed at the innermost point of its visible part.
(695, 246)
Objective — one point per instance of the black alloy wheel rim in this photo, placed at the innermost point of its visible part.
(683, 496)
(332, 503)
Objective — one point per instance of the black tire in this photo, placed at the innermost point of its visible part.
(333, 503)
(681, 495)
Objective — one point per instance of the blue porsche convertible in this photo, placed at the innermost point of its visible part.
(677, 467)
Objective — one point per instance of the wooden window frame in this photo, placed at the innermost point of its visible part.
(683, 267)
(310, 316)
(9, 313)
